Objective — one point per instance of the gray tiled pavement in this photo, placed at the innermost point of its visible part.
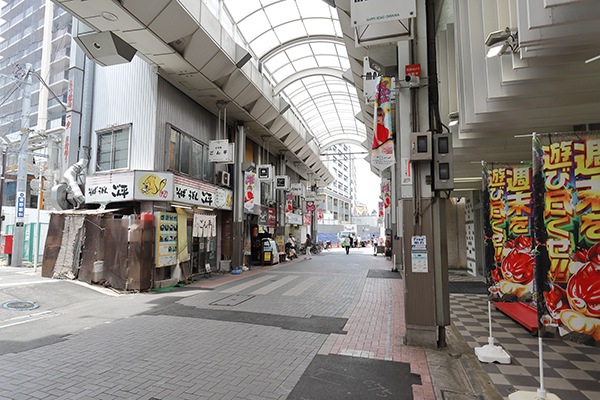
(165, 358)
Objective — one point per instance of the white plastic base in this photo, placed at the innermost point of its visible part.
(490, 353)
(523, 395)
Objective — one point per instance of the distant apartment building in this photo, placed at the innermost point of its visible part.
(21, 34)
(339, 198)
(31, 31)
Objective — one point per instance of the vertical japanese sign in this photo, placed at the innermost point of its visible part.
(567, 231)
(381, 209)
(382, 151)
(288, 202)
(509, 257)
(249, 185)
(385, 194)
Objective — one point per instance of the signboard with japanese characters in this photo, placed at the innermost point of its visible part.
(223, 198)
(566, 202)
(166, 246)
(294, 219)
(220, 151)
(194, 192)
(310, 195)
(306, 219)
(282, 182)
(297, 189)
(508, 231)
(109, 188)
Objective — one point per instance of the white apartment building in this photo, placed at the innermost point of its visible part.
(339, 198)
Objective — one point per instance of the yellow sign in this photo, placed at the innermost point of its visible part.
(151, 184)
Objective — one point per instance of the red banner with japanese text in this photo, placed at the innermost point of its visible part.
(567, 226)
(508, 233)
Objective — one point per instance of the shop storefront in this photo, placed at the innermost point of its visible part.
(189, 230)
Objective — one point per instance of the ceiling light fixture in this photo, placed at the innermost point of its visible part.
(453, 117)
(500, 42)
(109, 16)
(497, 36)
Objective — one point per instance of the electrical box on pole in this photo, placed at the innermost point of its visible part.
(443, 165)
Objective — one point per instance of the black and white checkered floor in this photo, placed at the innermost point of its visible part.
(571, 370)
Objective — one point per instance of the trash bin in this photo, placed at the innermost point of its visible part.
(6, 246)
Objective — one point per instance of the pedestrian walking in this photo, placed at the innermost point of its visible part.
(347, 244)
(308, 245)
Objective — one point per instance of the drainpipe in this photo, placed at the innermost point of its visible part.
(71, 174)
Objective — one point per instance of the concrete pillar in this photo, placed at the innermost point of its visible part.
(280, 194)
(237, 248)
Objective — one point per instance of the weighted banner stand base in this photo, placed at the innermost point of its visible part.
(523, 395)
(491, 353)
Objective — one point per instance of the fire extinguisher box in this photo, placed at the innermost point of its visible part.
(7, 244)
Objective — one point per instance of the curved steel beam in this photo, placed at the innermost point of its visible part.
(294, 42)
(336, 73)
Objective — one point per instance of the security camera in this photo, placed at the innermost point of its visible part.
(413, 81)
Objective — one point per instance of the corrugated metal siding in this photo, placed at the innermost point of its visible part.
(176, 109)
(126, 94)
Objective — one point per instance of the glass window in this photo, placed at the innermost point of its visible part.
(185, 151)
(209, 168)
(197, 160)
(329, 203)
(113, 149)
(174, 151)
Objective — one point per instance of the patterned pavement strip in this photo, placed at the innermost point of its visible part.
(376, 329)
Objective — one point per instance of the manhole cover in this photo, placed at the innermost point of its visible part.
(20, 305)
(232, 300)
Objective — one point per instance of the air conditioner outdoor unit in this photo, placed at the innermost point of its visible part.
(223, 178)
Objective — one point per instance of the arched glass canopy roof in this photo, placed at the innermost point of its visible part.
(299, 44)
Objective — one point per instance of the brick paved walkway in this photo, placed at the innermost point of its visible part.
(376, 329)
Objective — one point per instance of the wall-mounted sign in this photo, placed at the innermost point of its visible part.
(297, 189)
(194, 192)
(109, 188)
(306, 219)
(310, 195)
(413, 70)
(265, 172)
(223, 198)
(310, 206)
(369, 12)
(220, 151)
(419, 254)
(282, 182)
(153, 186)
(294, 219)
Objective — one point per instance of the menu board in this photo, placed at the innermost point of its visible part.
(167, 239)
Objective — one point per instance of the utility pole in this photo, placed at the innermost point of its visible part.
(21, 196)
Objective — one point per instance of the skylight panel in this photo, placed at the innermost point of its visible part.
(328, 61)
(316, 26)
(313, 8)
(299, 51)
(239, 9)
(277, 61)
(289, 31)
(305, 63)
(254, 25)
(282, 12)
(263, 43)
(323, 48)
(283, 73)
